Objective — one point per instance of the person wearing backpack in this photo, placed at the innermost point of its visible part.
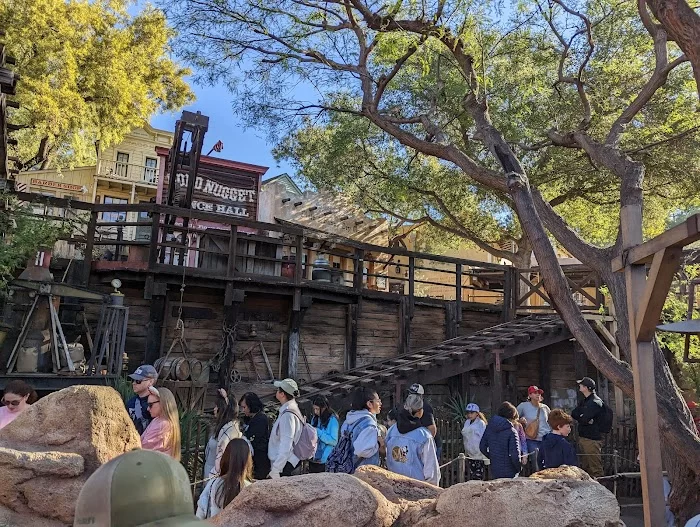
(286, 431)
(589, 414)
(360, 442)
(325, 420)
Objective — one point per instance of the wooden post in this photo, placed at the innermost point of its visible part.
(496, 388)
(404, 325)
(642, 353)
(299, 265)
(155, 231)
(233, 303)
(546, 372)
(458, 300)
(358, 270)
(294, 337)
(411, 280)
(232, 251)
(89, 243)
(507, 295)
(351, 336)
(154, 327)
(451, 322)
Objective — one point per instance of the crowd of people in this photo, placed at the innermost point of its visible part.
(244, 447)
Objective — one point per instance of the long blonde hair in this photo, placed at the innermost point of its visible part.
(171, 415)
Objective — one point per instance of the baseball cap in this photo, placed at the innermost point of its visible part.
(416, 389)
(534, 389)
(288, 386)
(414, 402)
(144, 372)
(587, 382)
(472, 407)
(139, 488)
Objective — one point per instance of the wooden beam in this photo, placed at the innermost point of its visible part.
(664, 266)
(679, 236)
(404, 323)
(496, 388)
(353, 313)
(154, 326)
(294, 342)
(451, 320)
(642, 356)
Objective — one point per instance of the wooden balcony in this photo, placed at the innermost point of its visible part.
(129, 172)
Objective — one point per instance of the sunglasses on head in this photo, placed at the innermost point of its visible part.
(11, 403)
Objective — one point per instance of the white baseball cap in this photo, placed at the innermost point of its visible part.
(472, 407)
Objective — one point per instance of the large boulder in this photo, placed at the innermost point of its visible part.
(524, 501)
(395, 487)
(311, 500)
(48, 452)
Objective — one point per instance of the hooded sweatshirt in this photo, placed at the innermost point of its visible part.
(556, 451)
(502, 446)
(364, 434)
(472, 433)
(410, 449)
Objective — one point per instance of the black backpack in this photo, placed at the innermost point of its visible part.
(604, 420)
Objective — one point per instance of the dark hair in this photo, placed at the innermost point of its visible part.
(507, 411)
(361, 396)
(22, 389)
(393, 414)
(326, 411)
(236, 468)
(558, 418)
(252, 401)
(228, 411)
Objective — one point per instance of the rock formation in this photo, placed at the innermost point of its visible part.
(563, 472)
(311, 500)
(376, 497)
(48, 452)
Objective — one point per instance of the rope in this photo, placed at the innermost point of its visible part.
(194, 484)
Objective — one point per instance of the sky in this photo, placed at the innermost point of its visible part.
(248, 146)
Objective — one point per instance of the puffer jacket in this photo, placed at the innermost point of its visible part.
(501, 445)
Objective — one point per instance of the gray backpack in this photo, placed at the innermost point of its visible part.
(305, 448)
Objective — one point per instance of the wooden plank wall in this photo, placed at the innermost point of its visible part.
(473, 321)
(322, 338)
(377, 331)
(427, 327)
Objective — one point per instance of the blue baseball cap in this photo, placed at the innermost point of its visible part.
(471, 407)
(144, 372)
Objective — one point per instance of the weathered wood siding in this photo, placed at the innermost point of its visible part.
(427, 326)
(377, 331)
(322, 339)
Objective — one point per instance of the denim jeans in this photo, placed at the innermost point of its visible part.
(532, 446)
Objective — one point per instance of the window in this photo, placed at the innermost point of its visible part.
(122, 166)
(114, 216)
(150, 171)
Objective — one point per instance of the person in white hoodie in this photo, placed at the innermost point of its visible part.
(473, 430)
(286, 431)
(361, 422)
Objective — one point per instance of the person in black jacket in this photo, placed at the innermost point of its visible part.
(257, 430)
(590, 440)
(555, 450)
(500, 443)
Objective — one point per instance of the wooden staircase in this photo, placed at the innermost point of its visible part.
(451, 357)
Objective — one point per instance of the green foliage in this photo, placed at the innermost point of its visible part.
(123, 386)
(23, 234)
(90, 71)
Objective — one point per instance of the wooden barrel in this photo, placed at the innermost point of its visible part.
(195, 369)
(175, 368)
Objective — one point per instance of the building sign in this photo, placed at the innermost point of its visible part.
(212, 196)
(58, 185)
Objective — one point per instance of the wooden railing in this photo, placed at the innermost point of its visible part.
(163, 239)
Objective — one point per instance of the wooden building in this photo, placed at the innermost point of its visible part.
(254, 315)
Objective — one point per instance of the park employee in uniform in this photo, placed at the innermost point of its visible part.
(286, 431)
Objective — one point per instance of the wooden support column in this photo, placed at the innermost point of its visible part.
(157, 292)
(496, 382)
(451, 320)
(405, 317)
(642, 354)
(89, 243)
(299, 306)
(233, 303)
(353, 314)
(458, 299)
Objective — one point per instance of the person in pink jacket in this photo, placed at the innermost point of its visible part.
(163, 434)
(17, 398)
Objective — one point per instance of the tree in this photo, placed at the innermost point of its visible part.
(426, 75)
(90, 71)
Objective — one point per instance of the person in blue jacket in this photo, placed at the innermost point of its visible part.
(555, 450)
(325, 420)
(500, 443)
